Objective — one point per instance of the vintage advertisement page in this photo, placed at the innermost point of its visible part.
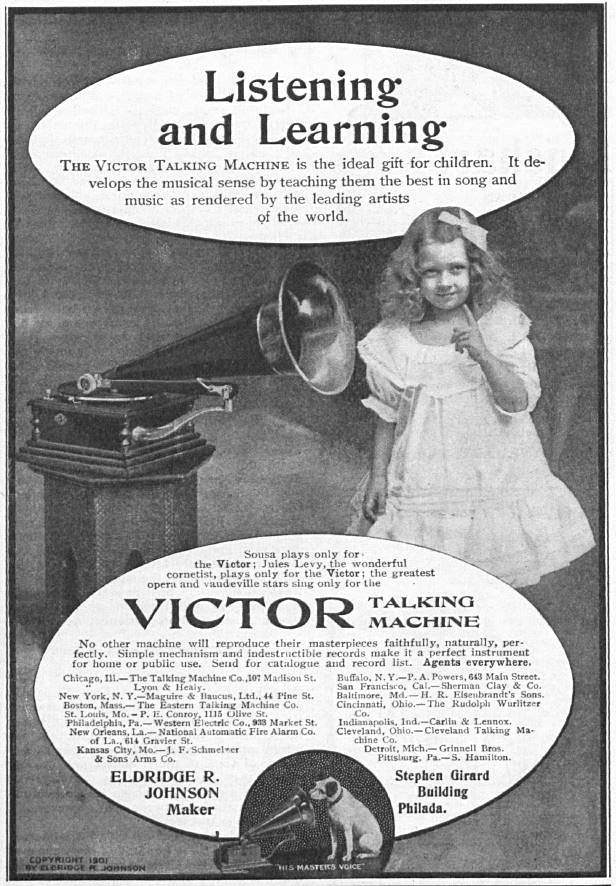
(307, 563)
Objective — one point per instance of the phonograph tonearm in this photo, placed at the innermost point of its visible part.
(136, 420)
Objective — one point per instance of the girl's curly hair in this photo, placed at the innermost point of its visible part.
(398, 288)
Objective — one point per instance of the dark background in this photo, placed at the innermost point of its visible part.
(90, 292)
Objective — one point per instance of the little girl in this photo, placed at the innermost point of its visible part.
(457, 464)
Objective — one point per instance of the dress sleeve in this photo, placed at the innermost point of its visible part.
(507, 338)
(521, 359)
(384, 356)
(384, 396)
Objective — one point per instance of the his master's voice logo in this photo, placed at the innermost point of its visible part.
(312, 814)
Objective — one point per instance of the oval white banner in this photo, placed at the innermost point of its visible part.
(299, 142)
(172, 689)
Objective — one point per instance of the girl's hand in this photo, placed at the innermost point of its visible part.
(470, 339)
(375, 497)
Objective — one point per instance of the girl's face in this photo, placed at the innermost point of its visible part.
(444, 274)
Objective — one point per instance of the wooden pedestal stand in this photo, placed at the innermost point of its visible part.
(97, 528)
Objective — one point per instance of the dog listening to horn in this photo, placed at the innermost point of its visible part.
(347, 815)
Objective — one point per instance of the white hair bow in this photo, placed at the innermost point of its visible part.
(475, 233)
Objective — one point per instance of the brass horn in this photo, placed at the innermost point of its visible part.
(305, 330)
(297, 810)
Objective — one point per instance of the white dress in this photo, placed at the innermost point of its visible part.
(466, 477)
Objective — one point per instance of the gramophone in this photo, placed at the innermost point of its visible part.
(137, 418)
(118, 449)
(245, 855)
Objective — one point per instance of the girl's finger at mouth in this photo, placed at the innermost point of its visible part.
(469, 314)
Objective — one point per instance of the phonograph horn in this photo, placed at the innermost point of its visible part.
(305, 330)
(244, 855)
(297, 810)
